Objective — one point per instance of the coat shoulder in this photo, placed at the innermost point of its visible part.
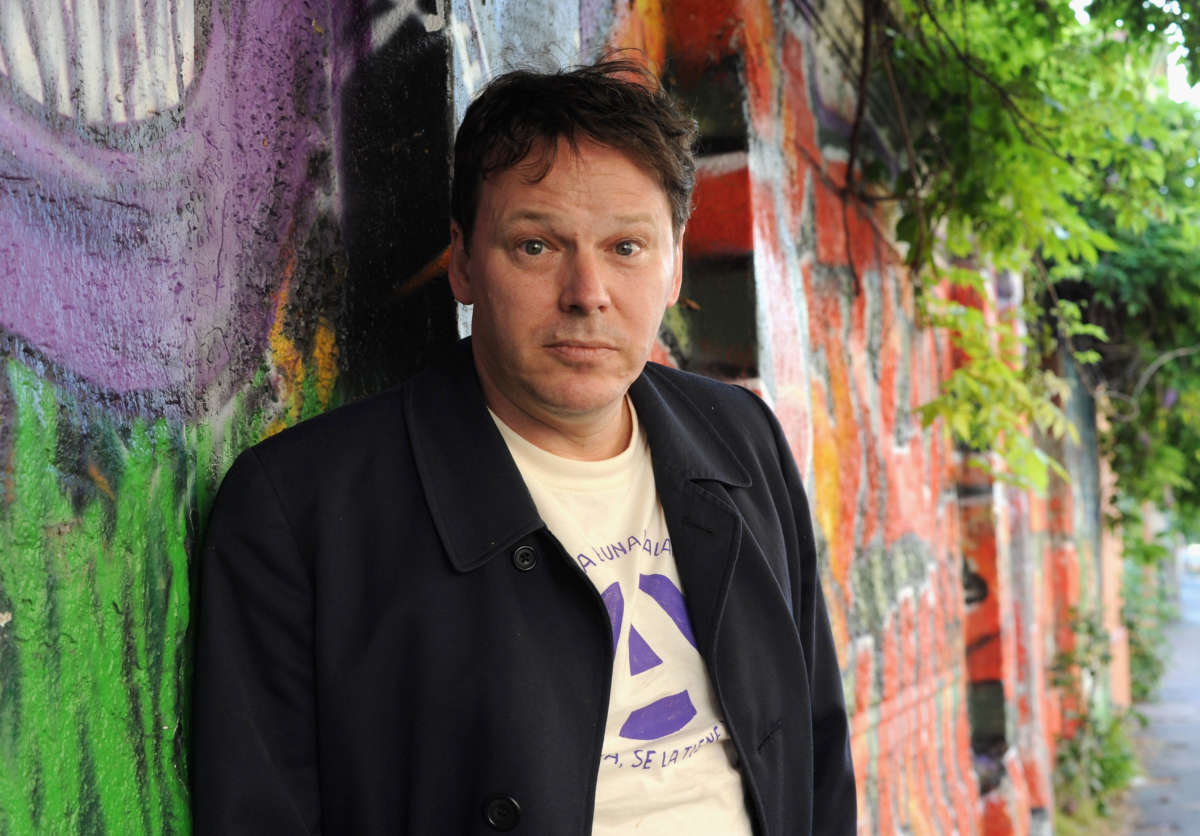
(340, 431)
(732, 410)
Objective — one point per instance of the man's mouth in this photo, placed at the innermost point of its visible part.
(581, 349)
(583, 344)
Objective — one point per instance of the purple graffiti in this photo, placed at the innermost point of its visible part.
(144, 217)
(614, 602)
(641, 656)
(660, 718)
(668, 596)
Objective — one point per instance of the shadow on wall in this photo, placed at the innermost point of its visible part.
(394, 150)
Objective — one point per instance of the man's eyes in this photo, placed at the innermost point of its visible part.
(535, 246)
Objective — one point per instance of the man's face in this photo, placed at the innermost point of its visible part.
(569, 276)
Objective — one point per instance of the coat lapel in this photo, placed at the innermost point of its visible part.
(478, 501)
(693, 468)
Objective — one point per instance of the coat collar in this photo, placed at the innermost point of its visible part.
(476, 495)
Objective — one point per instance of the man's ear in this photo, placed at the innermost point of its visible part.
(457, 264)
(677, 277)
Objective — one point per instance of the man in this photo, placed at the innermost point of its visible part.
(542, 587)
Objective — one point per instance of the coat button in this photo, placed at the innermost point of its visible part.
(524, 558)
(502, 813)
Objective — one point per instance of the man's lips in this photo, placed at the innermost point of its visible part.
(582, 350)
(585, 345)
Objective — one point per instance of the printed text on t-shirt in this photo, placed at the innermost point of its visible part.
(630, 545)
(660, 759)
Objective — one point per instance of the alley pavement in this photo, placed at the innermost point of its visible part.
(1167, 798)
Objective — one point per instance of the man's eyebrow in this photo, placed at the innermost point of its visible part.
(639, 218)
(528, 215)
(523, 216)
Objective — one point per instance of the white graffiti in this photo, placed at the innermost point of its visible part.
(385, 26)
(471, 65)
(100, 61)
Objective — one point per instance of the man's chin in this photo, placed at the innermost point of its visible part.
(579, 402)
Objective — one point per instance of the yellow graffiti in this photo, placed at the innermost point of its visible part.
(828, 510)
(289, 365)
(641, 25)
(325, 359)
(827, 499)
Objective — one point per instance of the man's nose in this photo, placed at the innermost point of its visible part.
(584, 289)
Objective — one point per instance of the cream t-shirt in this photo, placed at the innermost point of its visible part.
(668, 762)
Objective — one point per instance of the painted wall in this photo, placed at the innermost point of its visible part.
(838, 354)
(218, 218)
(203, 237)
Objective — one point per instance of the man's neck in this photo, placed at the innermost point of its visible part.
(588, 438)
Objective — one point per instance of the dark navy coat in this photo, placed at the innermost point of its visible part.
(390, 641)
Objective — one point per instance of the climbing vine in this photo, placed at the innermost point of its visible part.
(1034, 143)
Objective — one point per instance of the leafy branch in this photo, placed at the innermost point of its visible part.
(1038, 146)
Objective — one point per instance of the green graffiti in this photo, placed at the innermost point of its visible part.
(94, 603)
(95, 609)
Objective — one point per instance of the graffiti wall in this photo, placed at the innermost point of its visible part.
(203, 240)
(219, 218)
(837, 351)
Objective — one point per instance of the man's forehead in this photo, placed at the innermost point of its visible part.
(513, 196)
(585, 152)
(519, 215)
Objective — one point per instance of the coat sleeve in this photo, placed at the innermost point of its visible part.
(834, 791)
(254, 728)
